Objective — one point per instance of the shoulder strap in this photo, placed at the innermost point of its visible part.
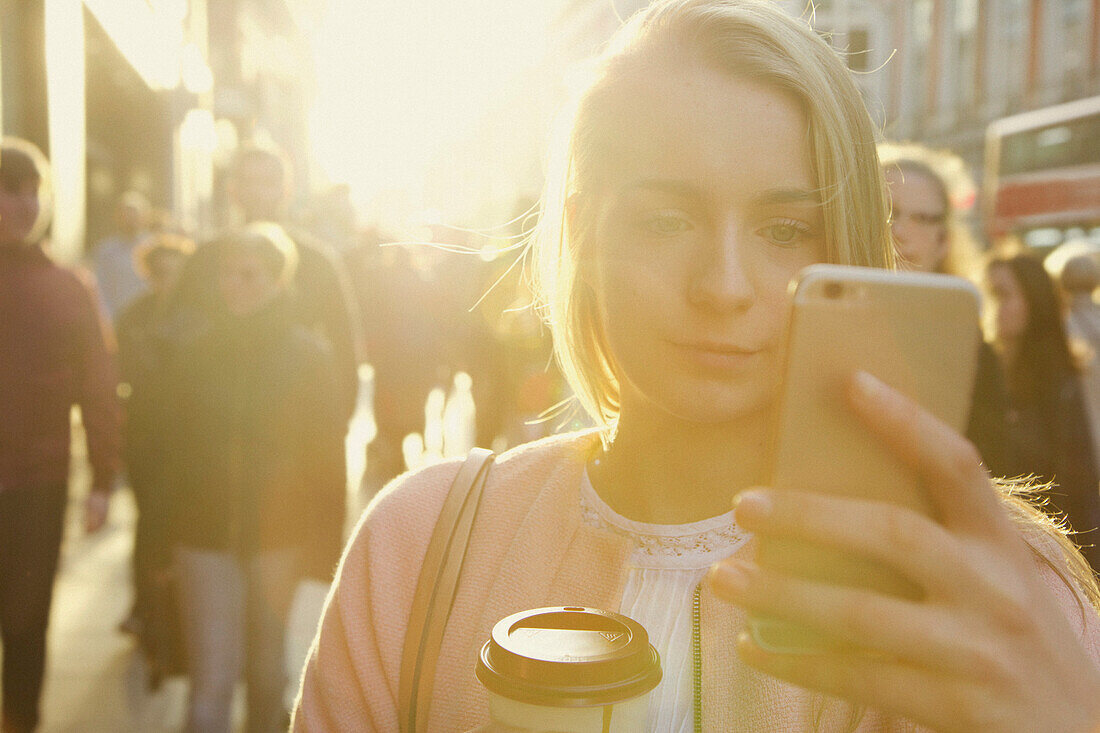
(435, 590)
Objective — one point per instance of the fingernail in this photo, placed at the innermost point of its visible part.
(753, 504)
(731, 576)
(867, 387)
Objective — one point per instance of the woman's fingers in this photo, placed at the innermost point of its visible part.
(986, 646)
(944, 703)
(949, 465)
(957, 575)
(889, 626)
(910, 543)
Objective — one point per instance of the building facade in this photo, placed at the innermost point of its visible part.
(940, 71)
(151, 96)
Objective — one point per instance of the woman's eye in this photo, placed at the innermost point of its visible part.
(667, 223)
(785, 233)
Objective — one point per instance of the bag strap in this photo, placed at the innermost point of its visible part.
(435, 590)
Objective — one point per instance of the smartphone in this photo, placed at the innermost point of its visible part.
(916, 332)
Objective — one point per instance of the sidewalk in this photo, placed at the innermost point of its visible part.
(95, 677)
(96, 680)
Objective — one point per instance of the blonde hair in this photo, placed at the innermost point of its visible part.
(753, 40)
(747, 39)
(156, 245)
(955, 186)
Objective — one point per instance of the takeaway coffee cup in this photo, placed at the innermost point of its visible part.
(569, 669)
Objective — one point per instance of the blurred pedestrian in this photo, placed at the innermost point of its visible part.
(397, 297)
(143, 357)
(260, 186)
(113, 258)
(415, 303)
(254, 430)
(1048, 427)
(925, 187)
(53, 354)
(1079, 277)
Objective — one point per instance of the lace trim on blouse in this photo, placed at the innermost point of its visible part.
(691, 545)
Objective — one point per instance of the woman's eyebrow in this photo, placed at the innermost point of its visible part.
(689, 190)
(661, 185)
(789, 196)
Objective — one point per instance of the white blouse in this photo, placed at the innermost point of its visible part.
(667, 563)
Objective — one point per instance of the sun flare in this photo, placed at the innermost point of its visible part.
(400, 84)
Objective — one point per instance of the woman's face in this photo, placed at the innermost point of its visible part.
(245, 281)
(1007, 308)
(917, 220)
(19, 211)
(706, 211)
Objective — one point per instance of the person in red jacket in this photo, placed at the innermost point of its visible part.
(53, 354)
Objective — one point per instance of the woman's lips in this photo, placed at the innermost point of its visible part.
(715, 355)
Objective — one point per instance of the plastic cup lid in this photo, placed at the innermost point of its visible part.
(568, 656)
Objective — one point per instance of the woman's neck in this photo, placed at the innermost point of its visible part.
(678, 472)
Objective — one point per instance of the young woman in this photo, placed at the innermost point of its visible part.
(721, 148)
(929, 236)
(255, 481)
(925, 186)
(1048, 425)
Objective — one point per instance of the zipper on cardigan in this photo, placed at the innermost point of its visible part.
(696, 662)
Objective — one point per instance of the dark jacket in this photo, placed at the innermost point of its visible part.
(1049, 436)
(322, 303)
(988, 426)
(255, 439)
(53, 354)
(142, 356)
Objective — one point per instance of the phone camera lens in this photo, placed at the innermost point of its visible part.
(833, 290)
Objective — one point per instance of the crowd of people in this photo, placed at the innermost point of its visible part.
(216, 379)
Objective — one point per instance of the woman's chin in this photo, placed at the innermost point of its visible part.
(714, 405)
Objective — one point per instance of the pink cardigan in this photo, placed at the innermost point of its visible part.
(529, 548)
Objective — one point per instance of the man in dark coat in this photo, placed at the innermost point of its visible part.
(53, 354)
(259, 186)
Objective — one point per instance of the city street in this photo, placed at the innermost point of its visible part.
(824, 273)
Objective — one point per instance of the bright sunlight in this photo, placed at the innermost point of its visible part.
(402, 85)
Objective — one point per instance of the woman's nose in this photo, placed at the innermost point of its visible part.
(721, 279)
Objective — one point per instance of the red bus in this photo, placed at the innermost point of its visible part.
(1042, 174)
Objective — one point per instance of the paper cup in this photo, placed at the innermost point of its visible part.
(569, 669)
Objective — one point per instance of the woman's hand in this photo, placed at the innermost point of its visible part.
(987, 648)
